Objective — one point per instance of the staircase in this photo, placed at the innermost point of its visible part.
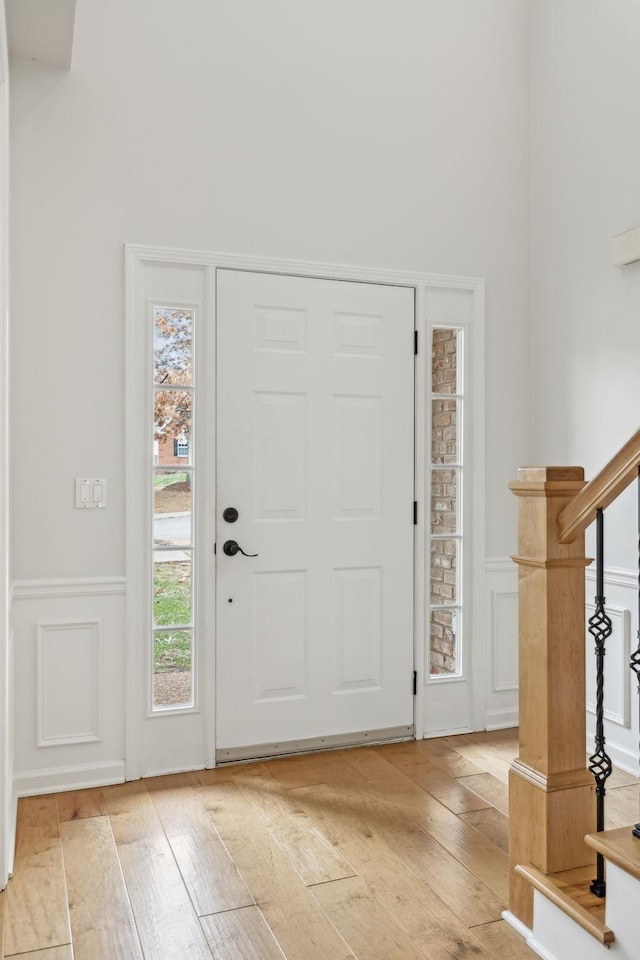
(560, 857)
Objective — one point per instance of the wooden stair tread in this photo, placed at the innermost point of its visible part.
(576, 883)
(571, 895)
(619, 846)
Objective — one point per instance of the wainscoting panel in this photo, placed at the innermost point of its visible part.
(617, 708)
(620, 689)
(70, 675)
(501, 667)
(66, 649)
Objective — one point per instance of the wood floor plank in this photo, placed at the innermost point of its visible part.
(165, 918)
(368, 928)
(308, 769)
(393, 850)
(240, 935)
(493, 750)
(306, 848)
(495, 792)
(449, 791)
(52, 953)
(437, 753)
(478, 855)
(374, 766)
(222, 774)
(2, 894)
(620, 778)
(299, 925)
(492, 824)
(417, 908)
(502, 942)
(622, 806)
(209, 873)
(79, 804)
(36, 912)
(101, 920)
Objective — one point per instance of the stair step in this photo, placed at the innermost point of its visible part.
(620, 847)
(572, 897)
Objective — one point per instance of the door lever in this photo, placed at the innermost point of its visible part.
(231, 547)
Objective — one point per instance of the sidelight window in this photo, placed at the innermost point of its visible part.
(172, 641)
(446, 541)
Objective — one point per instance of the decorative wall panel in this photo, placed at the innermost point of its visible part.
(69, 682)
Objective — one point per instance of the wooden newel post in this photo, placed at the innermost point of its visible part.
(551, 802)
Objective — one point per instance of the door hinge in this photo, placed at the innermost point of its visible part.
(415, 682)
(415, 343)
(415, 512)
(215, 549)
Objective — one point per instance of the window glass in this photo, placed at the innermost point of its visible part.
(172, 668)
(446, 542)
(172, 345)
(172, 508)
(172, 599)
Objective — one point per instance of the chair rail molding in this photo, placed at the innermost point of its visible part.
(74, 587)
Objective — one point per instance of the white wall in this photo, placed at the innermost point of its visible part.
(362, 132)
(586, 155)
(586, 346)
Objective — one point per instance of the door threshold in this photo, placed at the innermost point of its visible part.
(261, 751)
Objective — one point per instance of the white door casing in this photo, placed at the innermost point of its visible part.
(315, 450)
(187, 739)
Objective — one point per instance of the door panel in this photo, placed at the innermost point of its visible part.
(315, 450)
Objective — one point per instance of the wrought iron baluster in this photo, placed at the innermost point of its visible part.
(600, 762)
(635, 657)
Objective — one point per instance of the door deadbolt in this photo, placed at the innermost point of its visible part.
(230, 514)
(231, 547)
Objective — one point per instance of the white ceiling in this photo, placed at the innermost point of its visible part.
(41, 30)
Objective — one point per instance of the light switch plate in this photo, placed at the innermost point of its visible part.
(91, 493)
(625, 247)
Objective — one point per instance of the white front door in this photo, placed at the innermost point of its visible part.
(315, 435)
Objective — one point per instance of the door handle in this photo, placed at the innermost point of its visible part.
(231, 547)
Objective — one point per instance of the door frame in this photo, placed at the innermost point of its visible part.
(439, 299)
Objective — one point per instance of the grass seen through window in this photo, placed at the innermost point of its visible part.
(172, 607)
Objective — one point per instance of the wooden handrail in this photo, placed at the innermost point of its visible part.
(601, 491)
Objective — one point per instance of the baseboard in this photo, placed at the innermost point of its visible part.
(59, 779)
(169, 773)
(527, 935)
(533, 944)
(517, 925)
(434, 734)
(501, 719)
(11, 839)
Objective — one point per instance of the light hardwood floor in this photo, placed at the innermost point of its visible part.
(380, 853)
